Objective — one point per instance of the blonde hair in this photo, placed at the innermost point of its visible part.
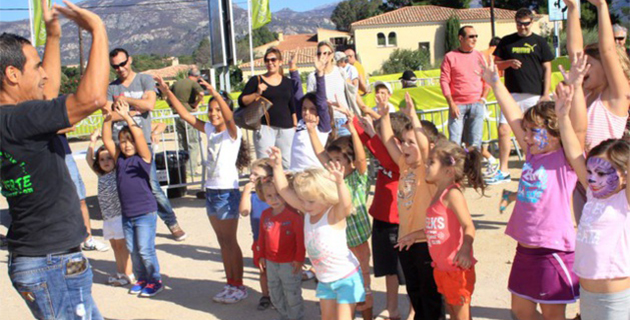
(314, 185)
(624, 61)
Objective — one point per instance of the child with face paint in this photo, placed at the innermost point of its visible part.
(542, 221)
(602, 251)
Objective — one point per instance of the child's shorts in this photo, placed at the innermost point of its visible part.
(456, 286)
(347, 290)
(222, 203)
(113, 229)
(605, 306)
(544, 276)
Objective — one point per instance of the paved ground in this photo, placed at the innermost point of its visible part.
(192, 270)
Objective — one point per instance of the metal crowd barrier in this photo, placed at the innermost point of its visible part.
(420, 82)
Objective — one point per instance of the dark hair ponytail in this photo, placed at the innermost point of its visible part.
(472, 169)
(244, 157)
(466, 163)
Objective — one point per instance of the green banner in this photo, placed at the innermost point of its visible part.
(261, 14)
(39, 25)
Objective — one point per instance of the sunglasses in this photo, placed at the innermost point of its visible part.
(523, 23)
(473, 36)
(620, 38)
(120, 65)
(267, 60)
(325, 53)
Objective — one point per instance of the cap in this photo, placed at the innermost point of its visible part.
(409, 76)
(339, 56)
(387, 85)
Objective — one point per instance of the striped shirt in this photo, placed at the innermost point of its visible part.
(603, 124)
(359, 228)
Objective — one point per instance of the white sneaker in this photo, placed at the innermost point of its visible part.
(92, 245)
(219, 297)
(235, 295)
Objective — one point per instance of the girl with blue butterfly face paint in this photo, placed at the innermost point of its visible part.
(602, 251)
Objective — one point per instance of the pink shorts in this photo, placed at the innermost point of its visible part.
(544, 276)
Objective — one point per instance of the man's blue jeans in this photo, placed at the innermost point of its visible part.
(165, 210)
(140, 239)
(55, 286)
(471, 117)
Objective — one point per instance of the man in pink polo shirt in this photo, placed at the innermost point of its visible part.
(464, 89)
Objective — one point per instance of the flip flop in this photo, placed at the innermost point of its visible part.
(264, 303)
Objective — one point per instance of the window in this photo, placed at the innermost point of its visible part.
(380, 39)
(391, 39)
(425, 46)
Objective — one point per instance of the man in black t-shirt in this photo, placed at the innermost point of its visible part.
(46, 265)
(526, 59)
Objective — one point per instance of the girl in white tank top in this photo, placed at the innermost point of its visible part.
(325, 199)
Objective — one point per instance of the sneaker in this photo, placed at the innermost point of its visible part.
(221, 295)
(236, 294)
(498, 178)
(118, 281)
(491, 169)
(137, 288)
(94, 245)
(177, 232)
(152, 289)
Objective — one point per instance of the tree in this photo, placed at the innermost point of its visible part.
(451, 41)
(392, 5)
(202, 53)
(350, 11)
(405, 59)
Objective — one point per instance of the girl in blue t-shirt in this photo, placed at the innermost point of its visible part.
(227, 154)
(139, 207)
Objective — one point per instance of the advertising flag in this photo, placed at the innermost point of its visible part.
(39, 25)
(261, 14)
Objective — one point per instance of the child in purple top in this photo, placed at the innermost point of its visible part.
(541, 221)
(139, 207)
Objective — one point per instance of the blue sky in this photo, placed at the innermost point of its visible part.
(301, 5)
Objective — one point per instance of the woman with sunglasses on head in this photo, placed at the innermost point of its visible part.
(279, 128)
(335, 86)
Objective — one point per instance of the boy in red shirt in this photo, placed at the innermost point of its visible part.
(282, 251)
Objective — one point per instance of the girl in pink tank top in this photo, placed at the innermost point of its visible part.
(602, 250)
(449, 228)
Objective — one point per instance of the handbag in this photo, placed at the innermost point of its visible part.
(250, 116)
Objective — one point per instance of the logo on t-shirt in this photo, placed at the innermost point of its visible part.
(527, 49)
(532, 184)
(586, 233)
(406, 192)
(19, 186)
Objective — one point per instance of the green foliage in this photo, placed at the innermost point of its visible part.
(202, 53)
(259, 37)
(405, 59)
(451, 41)
(186, 59)
(457, 4)
(391, 5)
(236, 78)
(589, 36)
(350, 11)
(143, 62)
(69, 80)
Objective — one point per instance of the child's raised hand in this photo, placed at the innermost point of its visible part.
(161, 84)
(275, 157)
(564, 96)
(463, 258)
(311, 121)
(409, 108)
(381, 106)
(336, 171)
(368, 125)
(122, 108)
(489, 71)
(95, 135)
(293, 60)
(579, 68)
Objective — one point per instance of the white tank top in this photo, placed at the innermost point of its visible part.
(328, 250)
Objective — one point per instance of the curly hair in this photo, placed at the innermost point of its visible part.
(467, 163)
(543, 115)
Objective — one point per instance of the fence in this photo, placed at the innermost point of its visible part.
(420, 82)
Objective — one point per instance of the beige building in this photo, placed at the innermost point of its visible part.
(303, 45)
(418, 27)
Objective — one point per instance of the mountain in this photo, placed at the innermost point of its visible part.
(146, 26)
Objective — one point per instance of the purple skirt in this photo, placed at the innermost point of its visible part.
(544, 276)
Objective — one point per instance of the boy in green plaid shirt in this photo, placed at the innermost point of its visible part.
(349, 152)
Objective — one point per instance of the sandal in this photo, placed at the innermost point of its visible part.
(505, 200)
(264, 303)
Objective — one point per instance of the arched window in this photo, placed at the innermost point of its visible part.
(380, 39)
(391, 39)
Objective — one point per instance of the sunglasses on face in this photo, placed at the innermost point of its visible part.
(120, 65)
(523, 23)
(325, 53)
(620, 38)
(473, 36)
(267, 60)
